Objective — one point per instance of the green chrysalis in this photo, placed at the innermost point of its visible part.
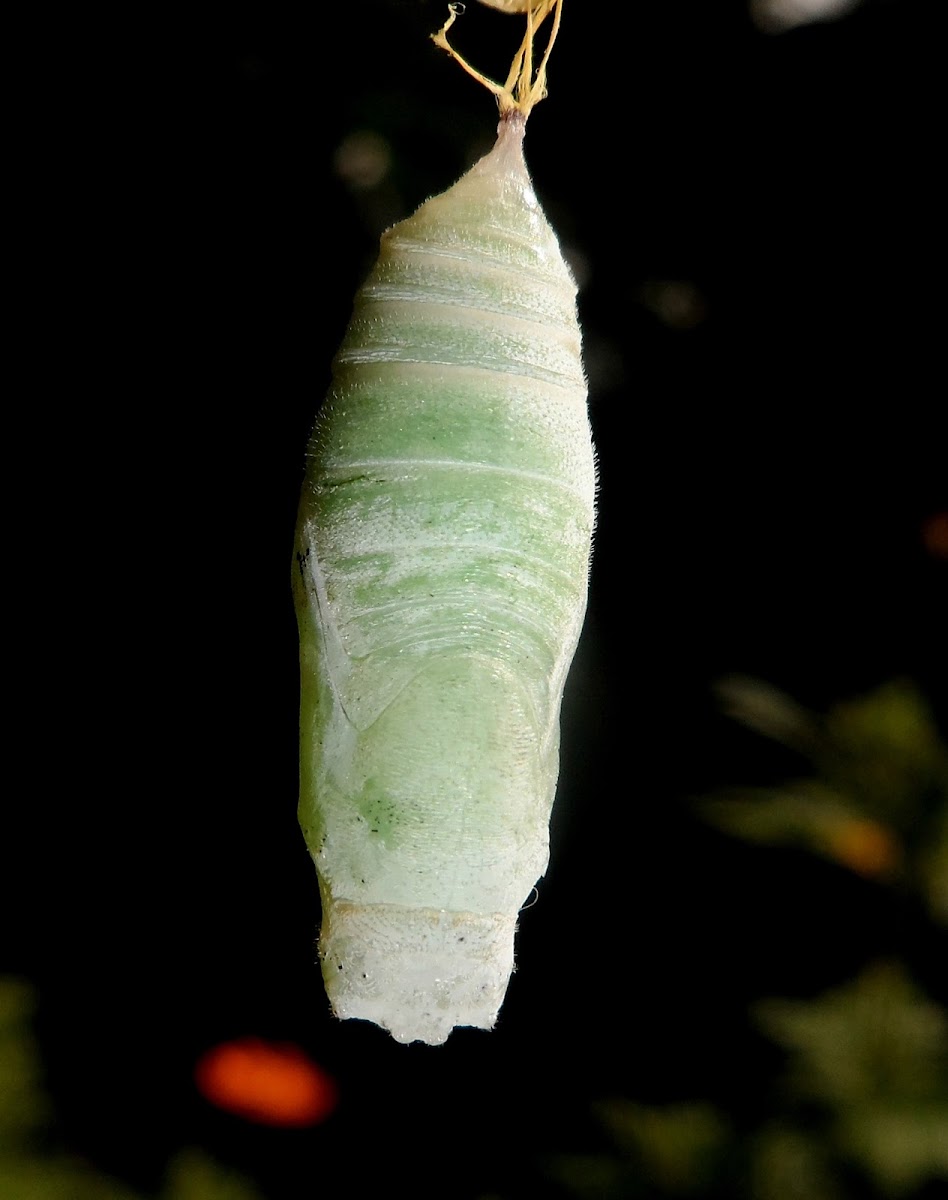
(441, 571)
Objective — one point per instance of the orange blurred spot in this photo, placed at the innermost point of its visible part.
(866, 847)
(271, 1084)
(935, 535)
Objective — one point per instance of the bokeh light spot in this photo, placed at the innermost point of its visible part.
(935, 535)
(265, 1082)
(774, 16)
(866, 847)
(363, 160)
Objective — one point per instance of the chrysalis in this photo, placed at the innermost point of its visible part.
(441, 571)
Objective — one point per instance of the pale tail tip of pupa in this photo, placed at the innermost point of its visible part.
(417, 972)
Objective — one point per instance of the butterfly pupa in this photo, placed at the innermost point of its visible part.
(440, 576)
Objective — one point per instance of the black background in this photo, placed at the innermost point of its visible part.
(764, 479)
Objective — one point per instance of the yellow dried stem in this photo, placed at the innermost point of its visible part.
(508, 5)
(523, 87)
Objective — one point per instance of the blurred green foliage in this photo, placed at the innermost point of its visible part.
(32, 1167)
(874, 1041)
(877, 801)
(679, 1145)
(787, 1164)
(860, 1105)
(872, 1057)
(675, 1150)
